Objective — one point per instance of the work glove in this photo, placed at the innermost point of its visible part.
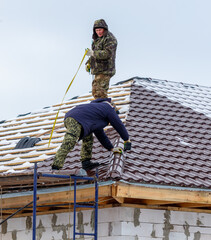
(90, 52)
(88, 67)
(127, 145)
(117, 150)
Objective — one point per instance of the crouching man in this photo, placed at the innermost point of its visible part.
(84, 120)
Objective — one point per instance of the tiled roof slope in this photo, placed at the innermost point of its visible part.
(196, 97)
(21, 161)
(170, 128)
(171, 142)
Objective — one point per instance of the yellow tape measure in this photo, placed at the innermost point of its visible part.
(64, 97)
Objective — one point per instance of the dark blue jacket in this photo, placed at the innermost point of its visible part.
(95, 116)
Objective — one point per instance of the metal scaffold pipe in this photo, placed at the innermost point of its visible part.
(75, 178)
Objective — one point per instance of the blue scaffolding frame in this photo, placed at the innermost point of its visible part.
(74, 178)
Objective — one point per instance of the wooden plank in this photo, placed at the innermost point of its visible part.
(30, 117)
(14, 164)
(37, 123)
(106, 200)
(6, 134)
(193, 205)
(121, 94)
(156, 202)
(15, 151)
(20, 168)
(25, 127)
(6, 148)
(25, 135)
(37, 160)
(114, 193)
(80, 101)
(123, 102)
(28, 150)
(43, 142)
(46, 148)
(87, 194)
(110, 95)
(34, 119)
(15, 180)
(126, 85)
(73, 102)
(163, 194)
(3, 159)
(119, 199)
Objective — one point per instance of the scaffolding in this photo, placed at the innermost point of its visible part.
(75, 206)
(74, 178)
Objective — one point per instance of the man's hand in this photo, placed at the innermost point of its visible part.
(117, 150)
(127, 145)
(90, 52)
(88, 67)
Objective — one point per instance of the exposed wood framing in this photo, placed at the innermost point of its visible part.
(163, 194)
(117, 194)
(83, 195)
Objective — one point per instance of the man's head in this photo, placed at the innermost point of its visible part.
(100, 28)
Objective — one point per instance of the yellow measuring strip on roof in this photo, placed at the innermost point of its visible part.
(64, 97)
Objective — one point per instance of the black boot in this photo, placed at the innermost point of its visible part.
(55, 167)
(88, 165)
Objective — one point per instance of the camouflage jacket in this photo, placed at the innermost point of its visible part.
(103, 61)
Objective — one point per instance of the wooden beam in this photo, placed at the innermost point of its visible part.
(85, 195)
(193, 205)
(114, 194)
(163, 194)
(15, 180)
(119, 199)
(120, 194)
(156, 202)
(105, 200)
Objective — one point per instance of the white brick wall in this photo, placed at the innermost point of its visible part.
(119, 223)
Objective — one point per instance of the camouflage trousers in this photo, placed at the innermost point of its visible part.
(71, 137)
(100, 86)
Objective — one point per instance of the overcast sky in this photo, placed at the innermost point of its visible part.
(43, 41)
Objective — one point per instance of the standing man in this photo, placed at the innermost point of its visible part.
(102, 58)
(84, 120)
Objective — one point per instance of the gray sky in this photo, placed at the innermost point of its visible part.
(43, 41)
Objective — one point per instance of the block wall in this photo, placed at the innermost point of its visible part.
(120, 223)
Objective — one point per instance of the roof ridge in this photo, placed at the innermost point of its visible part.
(155, 80)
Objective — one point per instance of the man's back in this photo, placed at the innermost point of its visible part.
(97, 115)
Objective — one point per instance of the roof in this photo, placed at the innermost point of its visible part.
(18, 162)
(169, 125)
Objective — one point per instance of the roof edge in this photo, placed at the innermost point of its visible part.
(165, 186)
